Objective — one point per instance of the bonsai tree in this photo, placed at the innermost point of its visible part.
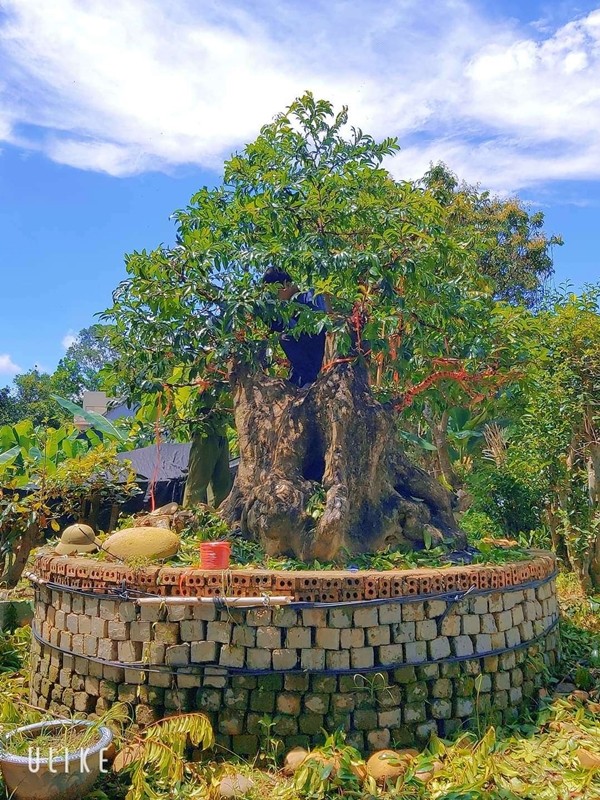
(321, 467)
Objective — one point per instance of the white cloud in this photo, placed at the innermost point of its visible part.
(8, 366)
(68, 339)
(149, 86)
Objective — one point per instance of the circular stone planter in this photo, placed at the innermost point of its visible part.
(62, 777)
(390, 657)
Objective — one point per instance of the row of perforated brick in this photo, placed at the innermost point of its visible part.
(90, 575)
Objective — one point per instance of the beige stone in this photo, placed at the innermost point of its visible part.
(142, 543)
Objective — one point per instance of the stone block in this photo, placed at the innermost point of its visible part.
(232, 656)
(166, 632)
(178, 612)
(284, 659)
(284, 617)
(107, 649)
(470, 624)
(205, 612)
(362, 657)
(365, 719)
(441, 708)
(310, 723)
(297, 683)
(203, 652)
(391, 654)
(119, 631)
(517, 615)
(413, 612)
(415, 652)
(403, 675)
(245, 745)
(337, 659)
(378, 739)
(439, 648)
(90, 606)
(129, 651)
(107, 609)
(271, 683)
(342, 703)
(312, 659)
(262, 701)
(390, 613)
(450, 625)
(191, 630)
(504, 620)
(479, 605)
(178, 655)
(515, 695)
(513, 637)
(300, 638)
(426, 630)
(243, 636)
(464, 707)
(288, 703)
(501, 681)
(268, 637)
(219, 631)
(488, 624)
(314, 617)
(140, 631)
(366, 617)
(417, 692)
(285, 726)
(352, 637)
(340, 618)
(317, 703)
(328, 638)
(378, 635)
(403, 632)
(392, 718)
(462, 646)
(231, 722)
(495, 602)
(483, 643)
(99, 628)
(414, 712)
(257, 658)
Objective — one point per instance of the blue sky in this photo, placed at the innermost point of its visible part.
(113, 114)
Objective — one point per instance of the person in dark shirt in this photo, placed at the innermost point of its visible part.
(306, 350)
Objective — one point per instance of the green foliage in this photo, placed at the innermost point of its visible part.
(514, 251)
(157, 767)
(318, 203)
(478, 525)
(510, 503)
(79, 369)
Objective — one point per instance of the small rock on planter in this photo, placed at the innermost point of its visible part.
(389, 764)
(235, 786)
(293, 760)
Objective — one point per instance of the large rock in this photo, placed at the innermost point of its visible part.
(389, 764)
(153, 544)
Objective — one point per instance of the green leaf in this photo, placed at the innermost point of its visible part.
(9, 455)
(96, 420)
(417, 440)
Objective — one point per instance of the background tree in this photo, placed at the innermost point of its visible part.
(320, 470)
(79, 369)
(514, 252)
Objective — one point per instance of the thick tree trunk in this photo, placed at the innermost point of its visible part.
(321, 470)
(17, 560)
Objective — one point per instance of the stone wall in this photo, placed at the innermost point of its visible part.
(389, 670)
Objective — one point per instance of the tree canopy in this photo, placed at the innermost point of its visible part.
(311, 196)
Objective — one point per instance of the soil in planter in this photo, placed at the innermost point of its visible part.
(69, 740)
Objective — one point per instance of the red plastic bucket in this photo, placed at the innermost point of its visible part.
(215, 555)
